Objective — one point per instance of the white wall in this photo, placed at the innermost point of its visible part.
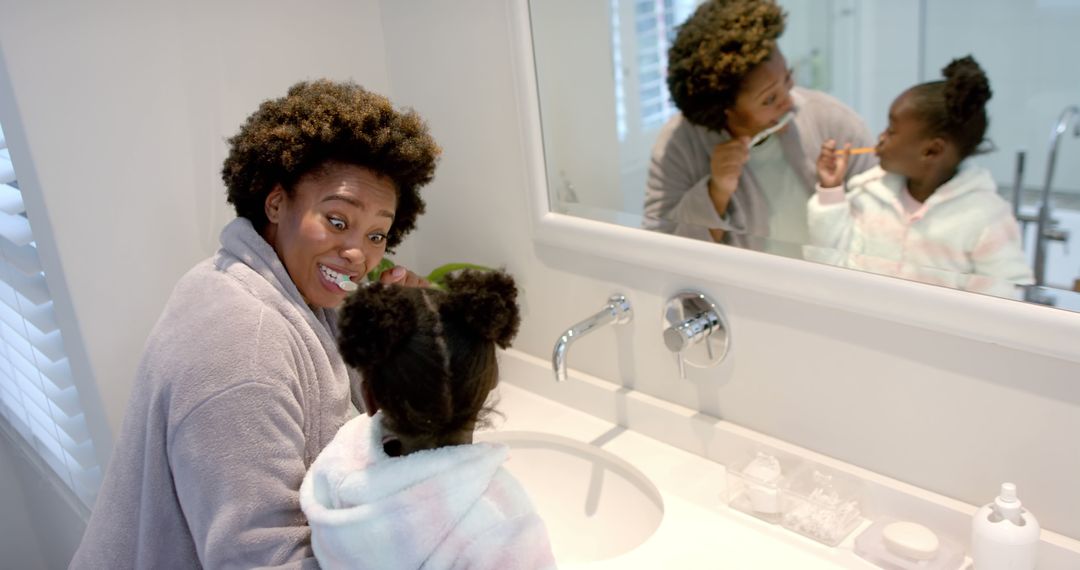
(920, 406)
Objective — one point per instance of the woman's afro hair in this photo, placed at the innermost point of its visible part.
(322, 122)
(714, 50)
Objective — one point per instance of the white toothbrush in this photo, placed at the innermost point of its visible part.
(769, 131)
(347, 285)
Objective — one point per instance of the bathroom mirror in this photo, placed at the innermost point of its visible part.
(600, 70)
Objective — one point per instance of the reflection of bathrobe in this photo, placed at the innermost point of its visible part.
(964, 235)
(677, 198)
(451, 507)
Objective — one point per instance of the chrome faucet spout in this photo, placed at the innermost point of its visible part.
(616, 311)
(1043, 228)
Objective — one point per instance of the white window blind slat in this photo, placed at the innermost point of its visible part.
(16, 229)
(42, 390)
(15, 414)
(11, 201)
(70, 425)
(24, 257)
(10, 394)
(32, 395)
(51, 452)
(37, 394)
(59, 409)
(33, 288)
(50, 345)
(41, 316)
(7, 170)
(45, 428)
(22, 355)
(42, 339)
(57, 373)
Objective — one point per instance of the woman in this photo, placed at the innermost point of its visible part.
(730, 82)
(241, 384)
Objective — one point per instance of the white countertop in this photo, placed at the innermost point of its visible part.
(682, 452)
(697, 530)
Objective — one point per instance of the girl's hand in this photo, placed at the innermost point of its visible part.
(401, 276)
(832, 165)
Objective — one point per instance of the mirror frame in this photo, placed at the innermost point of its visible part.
(1014, 324)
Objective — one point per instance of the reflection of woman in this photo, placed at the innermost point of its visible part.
(730, 81)
(241, 384)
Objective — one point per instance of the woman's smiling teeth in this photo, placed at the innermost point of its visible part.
(342, 280)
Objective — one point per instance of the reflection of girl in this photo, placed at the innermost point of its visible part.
(923, 213)
(241, 384)
(730, 82)
(408, 488)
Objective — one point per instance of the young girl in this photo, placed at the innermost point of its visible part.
(924, 213)
(407, 487)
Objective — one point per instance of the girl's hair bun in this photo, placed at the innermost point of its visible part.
(967, 89)
(374, 323)
(485, 302)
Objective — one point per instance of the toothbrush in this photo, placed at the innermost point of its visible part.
(769, 131)
(860, 150)
(346, 284)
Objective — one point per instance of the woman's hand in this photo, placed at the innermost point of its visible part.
(726, 164)
(832, 164)
(401, 276)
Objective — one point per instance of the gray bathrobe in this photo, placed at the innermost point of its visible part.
(677, 198)
(239, 389)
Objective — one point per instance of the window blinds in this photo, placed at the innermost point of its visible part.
(640, 59)
(37, 395)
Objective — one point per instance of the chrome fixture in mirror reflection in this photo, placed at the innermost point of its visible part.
(616, 311)
(695, 331)
(1045, 229)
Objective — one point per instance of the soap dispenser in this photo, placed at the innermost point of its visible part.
(1004, 536)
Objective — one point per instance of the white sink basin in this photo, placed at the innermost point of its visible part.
(595, 505)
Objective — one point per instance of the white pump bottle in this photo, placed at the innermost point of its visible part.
(1004, 535)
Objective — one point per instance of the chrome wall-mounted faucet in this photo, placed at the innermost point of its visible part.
(695, 331)
(1045, 230)
(616, 311)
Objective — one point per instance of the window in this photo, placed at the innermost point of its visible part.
(38, 398)
(643, 103)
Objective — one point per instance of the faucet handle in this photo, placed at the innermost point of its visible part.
(695, 331)
(691, 331)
